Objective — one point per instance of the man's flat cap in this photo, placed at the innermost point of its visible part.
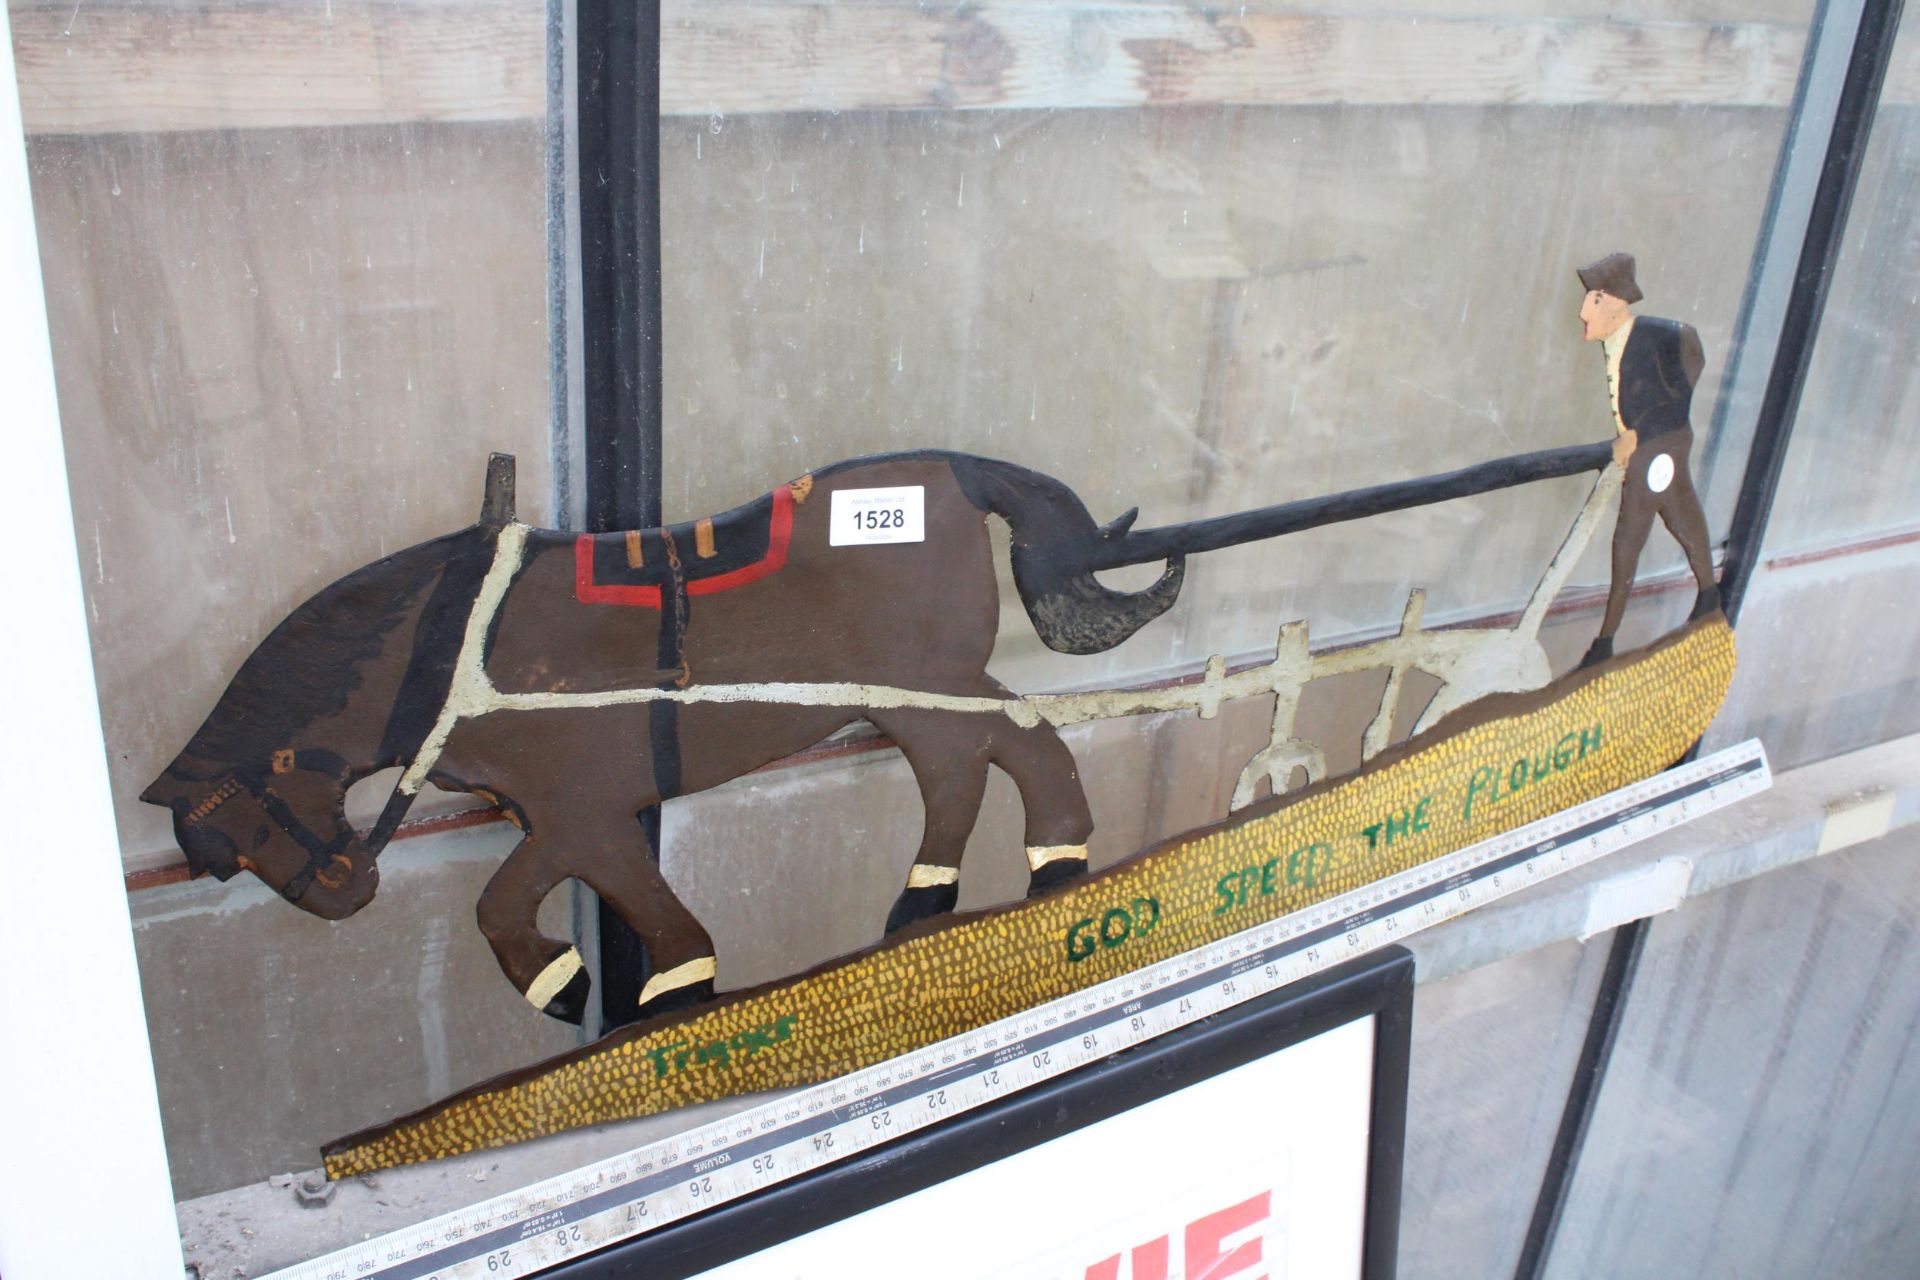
(1612, 274)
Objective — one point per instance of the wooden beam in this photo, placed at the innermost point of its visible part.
(227, 64)
(221, 64)
(734, 57)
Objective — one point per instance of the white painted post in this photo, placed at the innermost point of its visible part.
(83, 1172)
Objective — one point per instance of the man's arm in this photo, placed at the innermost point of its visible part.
(1693, 358)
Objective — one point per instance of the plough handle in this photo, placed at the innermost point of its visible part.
(1143, 546)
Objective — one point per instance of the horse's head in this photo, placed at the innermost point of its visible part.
(262, 785)
(282, 818)
(348, 683)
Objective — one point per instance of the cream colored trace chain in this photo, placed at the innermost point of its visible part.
(472, 693)
(1470, 663)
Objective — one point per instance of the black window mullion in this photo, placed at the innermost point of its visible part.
(617, 109)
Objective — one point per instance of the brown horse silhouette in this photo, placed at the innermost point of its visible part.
(576, 680)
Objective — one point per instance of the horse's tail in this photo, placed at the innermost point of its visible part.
(1053, 537)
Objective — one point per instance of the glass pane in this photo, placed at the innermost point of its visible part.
(287, 327)
(1189, 262)
(1852, 472)
(1194, 266)
(1493, 1053)
(296, 266)
(1757, 1117)
(1830, 660)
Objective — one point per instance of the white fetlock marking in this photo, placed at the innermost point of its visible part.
(925, 875)
(680, 976)
(1039, 855)
(554, 978)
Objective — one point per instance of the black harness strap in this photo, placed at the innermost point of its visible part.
(663, 716)
(428, 680)
(391, 816)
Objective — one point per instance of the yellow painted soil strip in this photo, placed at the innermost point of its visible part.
(1526, 757)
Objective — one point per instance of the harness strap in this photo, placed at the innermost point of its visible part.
(391, 816)
(470, 692)
(663, 718)
(320, 853)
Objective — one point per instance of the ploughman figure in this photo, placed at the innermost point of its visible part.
(1652, 366)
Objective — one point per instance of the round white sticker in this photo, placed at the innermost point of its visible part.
(1660, 473)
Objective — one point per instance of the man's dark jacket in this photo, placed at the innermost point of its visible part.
(1658, 368)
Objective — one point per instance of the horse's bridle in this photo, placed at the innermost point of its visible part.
(323, 855)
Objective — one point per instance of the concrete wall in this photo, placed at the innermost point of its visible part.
(274, 1031)
(282, 354)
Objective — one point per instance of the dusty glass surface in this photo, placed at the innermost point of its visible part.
(1758, 1116)
(1199, 266)
(1189, 262)
(1830, 645)
(1494, 1049)
(293, 307)
(1853, 473)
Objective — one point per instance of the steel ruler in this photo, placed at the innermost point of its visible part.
(642, 1190)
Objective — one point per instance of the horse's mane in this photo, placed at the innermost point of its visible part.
(309, 666)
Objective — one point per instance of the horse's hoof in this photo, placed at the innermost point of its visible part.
(1705, 602)
(571, 1004)
(921, 902)
(1054, 874)
(679, 998)
(1597, 652)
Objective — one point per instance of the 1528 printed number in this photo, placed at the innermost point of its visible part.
(879, 518)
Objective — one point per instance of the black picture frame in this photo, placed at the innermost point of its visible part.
(1379, 985)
